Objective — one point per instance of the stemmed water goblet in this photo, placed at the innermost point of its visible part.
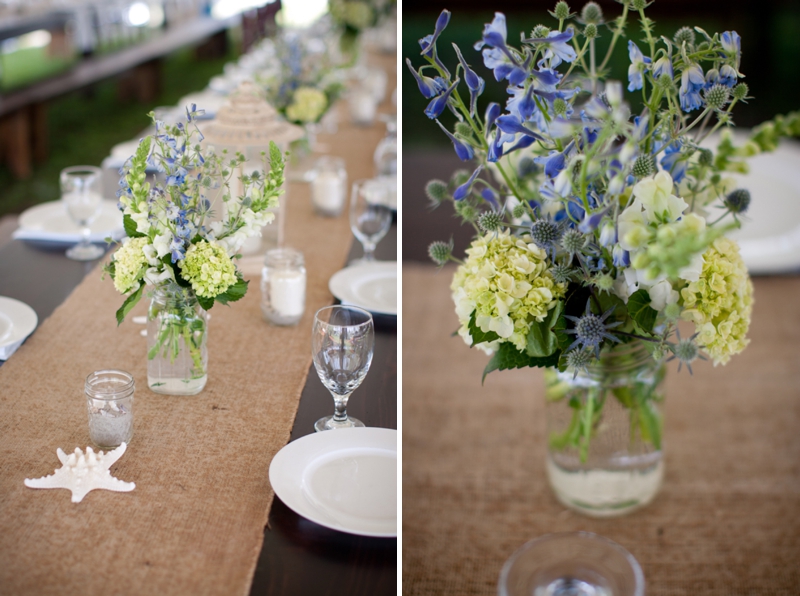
(341, 346)
(81, 195)
(370, 215)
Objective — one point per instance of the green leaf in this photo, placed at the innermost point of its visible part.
(234, 292)
(507, 357)
(129, 303)
(130, 227)
(640, 310)
(206, 303)
(478, 335)
(650, 424)
(542, 340)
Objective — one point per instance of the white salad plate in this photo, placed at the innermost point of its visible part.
(17, 321)
(769, 238)
(371, 286)
(50, 222)
(344, 479)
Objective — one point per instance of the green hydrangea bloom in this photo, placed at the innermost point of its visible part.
(208, 268)
(129, 262)
(720, 302)
(308, 105)
(506, 281)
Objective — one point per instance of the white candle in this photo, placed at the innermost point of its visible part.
(362, 106)
(287, 292)
(376, 82)
(328, 192)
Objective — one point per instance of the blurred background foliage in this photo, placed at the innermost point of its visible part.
(770, 31)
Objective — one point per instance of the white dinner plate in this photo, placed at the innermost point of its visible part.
(17, 321)
(769, 238)
(50, 222)
(344, 479)
(371, 286)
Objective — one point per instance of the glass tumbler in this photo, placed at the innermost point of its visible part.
(571, 564)
(109, 399)
(283, 286)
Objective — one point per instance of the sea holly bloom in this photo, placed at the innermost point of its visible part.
(590, 330)
(692, 81)
(639, 63)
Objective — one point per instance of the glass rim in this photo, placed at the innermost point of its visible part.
(127, 386)
(344, 307)
(582, 535)
(77, 169)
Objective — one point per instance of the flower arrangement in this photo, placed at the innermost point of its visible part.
(305, 86)
(176, 241)
(596, 227)
(357, 15)
(171, 234)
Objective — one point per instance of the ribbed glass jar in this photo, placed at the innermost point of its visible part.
(109, 401)
(604, 454)
(177, 332)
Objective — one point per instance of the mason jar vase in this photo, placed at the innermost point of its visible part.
(604, 455)
(177, 334)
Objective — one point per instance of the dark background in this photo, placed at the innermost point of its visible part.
(770, 32)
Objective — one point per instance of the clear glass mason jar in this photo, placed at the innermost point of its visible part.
(177, 332)
(604, 454)
(109, 401)
(283, 286)
(329, 185)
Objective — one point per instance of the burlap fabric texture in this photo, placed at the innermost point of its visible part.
(727, 520)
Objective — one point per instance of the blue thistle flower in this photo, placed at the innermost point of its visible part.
(590, 330)
(686, 351)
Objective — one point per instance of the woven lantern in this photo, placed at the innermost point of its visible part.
(247, 123)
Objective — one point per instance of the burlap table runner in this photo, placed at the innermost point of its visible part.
(195, 522)
(727, 520)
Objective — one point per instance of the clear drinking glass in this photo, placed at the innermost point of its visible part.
(571, 564)
(82, 196)
(370, 215)
(385, 155)
(341, 345)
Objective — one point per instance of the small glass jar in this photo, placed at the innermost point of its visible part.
(329, 186)
(363, 106)
(109, 399)
(283, 286)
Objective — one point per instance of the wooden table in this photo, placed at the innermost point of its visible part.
(298, 556)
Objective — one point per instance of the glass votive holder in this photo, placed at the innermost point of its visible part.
(376, 81)
(363, 106)
(571, 563)
(109, 399)
(329, 185)
(283, 286)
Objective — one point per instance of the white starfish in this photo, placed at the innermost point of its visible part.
(82, 473)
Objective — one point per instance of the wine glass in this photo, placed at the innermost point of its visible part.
(385, 155)
(571, 564)
(81, 195)
(370, 215)
(341, 345)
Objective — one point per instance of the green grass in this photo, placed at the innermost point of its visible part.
(84, 126)
(28, 65)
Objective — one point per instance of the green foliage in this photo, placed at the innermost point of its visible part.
(129, 303)
(507, 357)
(640, 310)
(234, 292)
(542, 338)
(130, 227)
(478, 335)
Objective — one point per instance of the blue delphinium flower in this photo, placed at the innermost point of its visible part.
(620, 256)
(428, 43)
(429, 87)
(662, 66)
(558, 47)
(490, 197)
(692, 81)
(728, 75)
(474, 82)
(439, 103)
(497, 56)
(464, 151)
(463, 191)
(732, 44)
(672, 162)
(635, 79)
